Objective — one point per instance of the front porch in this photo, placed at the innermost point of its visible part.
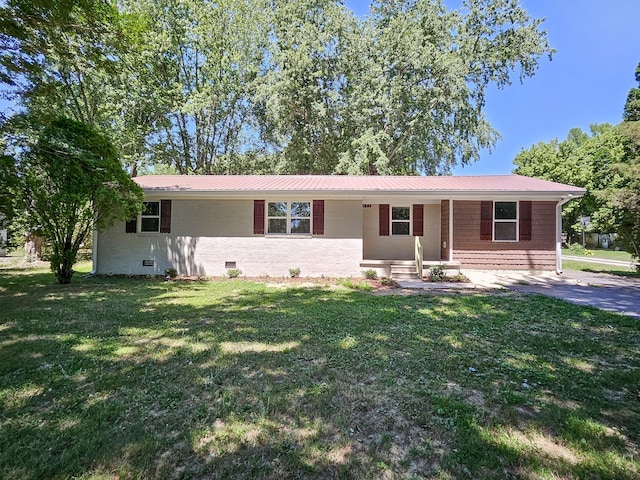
(402, 269)
(401, 239)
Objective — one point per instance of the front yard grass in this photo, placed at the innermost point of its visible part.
(605, 254)
(129, 378)
(619, 271)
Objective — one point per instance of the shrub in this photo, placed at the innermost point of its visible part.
(576, 249)
(294, 272)
(386, 281)
(234, 272)
(437, 273)
(460, 278)
(171, 273)
(370, 274)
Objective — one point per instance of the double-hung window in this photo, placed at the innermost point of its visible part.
(150, 218)
(505, 221)
(401, 221)
(289, 217)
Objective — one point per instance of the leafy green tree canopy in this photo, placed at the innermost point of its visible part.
(401, 91)
(625, 196)
(70, 181)
(584, 160)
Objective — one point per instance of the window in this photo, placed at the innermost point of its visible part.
(505, 222)
(400, 221)
(150, 218)
(289, 217)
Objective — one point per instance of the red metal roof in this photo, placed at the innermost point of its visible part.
(345, 184)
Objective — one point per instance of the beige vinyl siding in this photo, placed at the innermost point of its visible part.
(400, 247)
(207, 233)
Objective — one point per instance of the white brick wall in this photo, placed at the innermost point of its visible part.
(206, 234)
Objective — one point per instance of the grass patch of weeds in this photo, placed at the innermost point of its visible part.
(355, 284)
(139, 378)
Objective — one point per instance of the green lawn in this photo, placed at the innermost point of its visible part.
(605, 254)
(600, 268)
(135, 379)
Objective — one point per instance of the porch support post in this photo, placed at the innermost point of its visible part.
(450, 230)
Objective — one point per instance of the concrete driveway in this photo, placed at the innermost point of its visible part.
(607, 292)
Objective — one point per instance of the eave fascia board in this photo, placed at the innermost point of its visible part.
(367, 196)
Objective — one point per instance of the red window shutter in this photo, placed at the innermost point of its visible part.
(318, 217)
(384, 220)
(258, 217)
(131, 226)
(165, 216)
(486, 220)
(418, 220)
(525, 220)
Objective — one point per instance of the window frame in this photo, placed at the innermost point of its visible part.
(143, 216)
(409, 221)
(515, 220)
(289, 217)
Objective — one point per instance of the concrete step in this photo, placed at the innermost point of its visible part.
(404, 276)
(403, 270)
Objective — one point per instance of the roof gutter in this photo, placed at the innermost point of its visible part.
(559, 205)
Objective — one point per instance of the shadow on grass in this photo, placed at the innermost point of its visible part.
(231, 379)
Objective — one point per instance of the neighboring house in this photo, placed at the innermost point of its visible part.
(336, 225)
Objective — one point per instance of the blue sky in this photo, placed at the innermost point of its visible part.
(598, 49)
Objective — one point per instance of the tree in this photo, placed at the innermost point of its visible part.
(402, 91)
(200, 61)
(70, 182)
(81, 59)
(624, 195)
(30, 29)
(582, 160)
(302, 98)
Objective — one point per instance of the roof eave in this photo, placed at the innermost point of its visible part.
(357, 194)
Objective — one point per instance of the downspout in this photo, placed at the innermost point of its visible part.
(94, 252)
(559, 232)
